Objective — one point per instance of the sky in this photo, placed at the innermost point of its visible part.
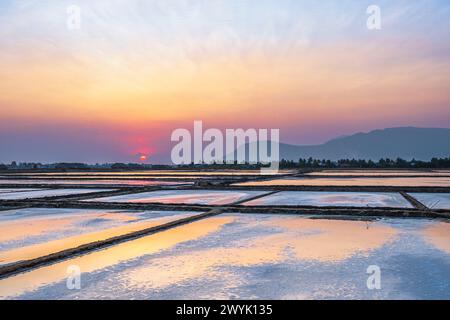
(135, 70)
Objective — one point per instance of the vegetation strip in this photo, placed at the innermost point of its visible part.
(26, 265)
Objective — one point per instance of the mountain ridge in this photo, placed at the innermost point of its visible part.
(397, 142)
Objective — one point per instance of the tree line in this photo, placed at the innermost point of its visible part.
(301, 163)
(384, 163)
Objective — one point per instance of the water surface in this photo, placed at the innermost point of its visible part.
(46, 193)
(397, 182)
(258, 257)
(206, 197)
(433, 200)
(130, 182)
(35, 232)
(346, 199)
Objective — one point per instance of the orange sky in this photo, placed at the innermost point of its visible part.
(312, 73)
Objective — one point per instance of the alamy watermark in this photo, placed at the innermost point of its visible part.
(73, 281)
(374, 19)
(73, 21)
(374, 280)
(235, 146)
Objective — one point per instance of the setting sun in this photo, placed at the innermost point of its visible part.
(203, 151)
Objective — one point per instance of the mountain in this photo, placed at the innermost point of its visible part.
(405, 142)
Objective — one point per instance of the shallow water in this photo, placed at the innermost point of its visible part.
(46, 193)
(154, 172)
(378, 173)
(347, 199)
(9, 190)
(90, 182)
(433, 200)
(258, 257)
(31, 233)
(206, 197)
(398, 182)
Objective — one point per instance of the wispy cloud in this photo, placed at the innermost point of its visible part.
(282, 63)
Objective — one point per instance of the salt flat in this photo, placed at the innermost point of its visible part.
(254, 256)
(9, 190)
(207, 197)
(392, 173)
(46, 193)
(106, 182)
(366, 181)
(154, 172)
(321, 199)
(34, 232)
(434, 200)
